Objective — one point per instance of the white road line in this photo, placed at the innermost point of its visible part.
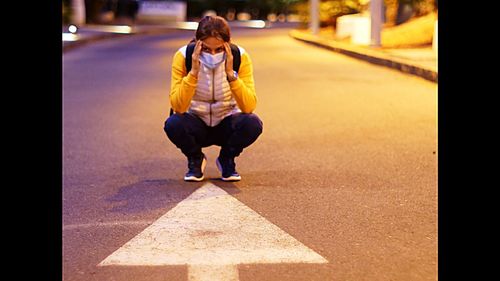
(212, 232)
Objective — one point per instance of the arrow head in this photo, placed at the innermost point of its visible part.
(211, 227)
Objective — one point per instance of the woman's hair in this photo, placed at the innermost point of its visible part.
(213, 26)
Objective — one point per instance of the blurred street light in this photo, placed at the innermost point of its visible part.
(69, 37)
(73, 29)
(124, 29)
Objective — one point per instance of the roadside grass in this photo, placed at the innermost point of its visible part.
(417, 32)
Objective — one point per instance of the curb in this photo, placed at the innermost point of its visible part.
(109, 35)
(72, 45)
(367, 55)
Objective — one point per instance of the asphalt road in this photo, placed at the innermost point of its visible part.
(346, 164)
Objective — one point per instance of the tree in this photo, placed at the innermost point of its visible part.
(66, 11)
(92, 10)
(410, 8)
(329, 10)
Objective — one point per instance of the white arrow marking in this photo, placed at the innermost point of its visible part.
(212, 272)
(212, 232)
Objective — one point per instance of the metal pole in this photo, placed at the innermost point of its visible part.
(376, 21)
(78, 9)
(314, 12)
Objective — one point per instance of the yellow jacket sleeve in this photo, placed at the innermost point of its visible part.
(182, 86)
(243, 88)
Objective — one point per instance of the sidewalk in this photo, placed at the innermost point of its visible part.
(92, 33)
(417, 61)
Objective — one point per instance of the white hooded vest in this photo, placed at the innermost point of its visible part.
(213, 100)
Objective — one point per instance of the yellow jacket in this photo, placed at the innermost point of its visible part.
(210, 96)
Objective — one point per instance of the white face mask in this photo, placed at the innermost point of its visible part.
(212, 61)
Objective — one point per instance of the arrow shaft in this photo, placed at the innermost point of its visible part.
(208, 272)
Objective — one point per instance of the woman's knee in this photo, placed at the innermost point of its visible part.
(174, 123)
(170, 123)
(252, 122)
(184, 123)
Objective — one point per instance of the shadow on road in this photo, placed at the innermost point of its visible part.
(151, 194)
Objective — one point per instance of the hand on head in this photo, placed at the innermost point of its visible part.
(195, 58)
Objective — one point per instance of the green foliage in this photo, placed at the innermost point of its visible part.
(412, 3)
(335, 8)
(424, 7)
(330, 10)
(280, 6)
(66, 11)
(257, 8)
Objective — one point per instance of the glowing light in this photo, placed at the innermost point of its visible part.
(72, 28)
(189, 25)
(249, 23)
(112, 28)
(120, 29)
(257, 24)
(69, 37)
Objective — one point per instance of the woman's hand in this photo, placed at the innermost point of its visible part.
(195, 59)
(229, 62)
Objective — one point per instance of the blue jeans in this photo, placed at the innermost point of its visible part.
(235, 132)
